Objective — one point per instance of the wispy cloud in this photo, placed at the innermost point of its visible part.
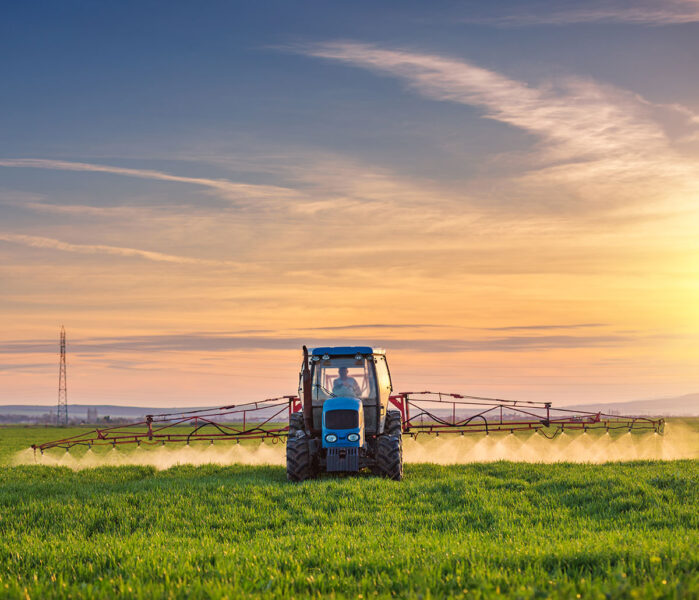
(99, 212)
(580, 119)
(639, 12)
(224, 187)
(54, 244)
(587, 131)
(374, 326)
(225, 343)
(545, 327)
(34, 367)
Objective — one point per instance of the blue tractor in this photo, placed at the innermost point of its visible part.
(345, 424)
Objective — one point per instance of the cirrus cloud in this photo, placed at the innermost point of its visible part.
(640, 12)
(588, 132)
(54, 244)
(224, 187)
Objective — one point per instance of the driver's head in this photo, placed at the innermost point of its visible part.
(343, 372)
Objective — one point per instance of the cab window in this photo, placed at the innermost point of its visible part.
(382, 375)
(344, 377)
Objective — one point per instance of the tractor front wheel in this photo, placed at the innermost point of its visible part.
(299, 464)
(389, 457)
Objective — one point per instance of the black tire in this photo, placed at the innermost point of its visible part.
(393, 424)
(299, 465)
(389, 457)
(296, 423)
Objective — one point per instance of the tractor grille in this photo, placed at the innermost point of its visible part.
(343, 459)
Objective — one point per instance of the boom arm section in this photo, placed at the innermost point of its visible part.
(249, 421)
(440, 412)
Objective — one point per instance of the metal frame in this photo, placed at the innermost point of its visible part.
(422, 413)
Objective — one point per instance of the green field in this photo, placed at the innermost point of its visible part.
(617, 530)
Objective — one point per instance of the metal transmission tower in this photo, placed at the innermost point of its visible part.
(62, 415)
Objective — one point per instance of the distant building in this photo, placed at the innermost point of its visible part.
(92, 414)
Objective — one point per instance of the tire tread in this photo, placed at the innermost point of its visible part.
(299, 464)
(389, 457)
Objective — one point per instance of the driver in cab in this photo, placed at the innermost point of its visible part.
(344, 385)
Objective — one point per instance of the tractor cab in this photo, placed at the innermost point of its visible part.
(359, 372)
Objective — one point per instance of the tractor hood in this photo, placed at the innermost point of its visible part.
(343, 423)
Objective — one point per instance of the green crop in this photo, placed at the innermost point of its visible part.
(618, 530)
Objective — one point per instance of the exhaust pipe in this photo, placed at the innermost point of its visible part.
(307, 396)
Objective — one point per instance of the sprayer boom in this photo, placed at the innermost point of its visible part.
(421, 413)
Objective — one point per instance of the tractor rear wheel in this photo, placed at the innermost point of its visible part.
(393, 424)
(296, 423)
(389, 457)
(299, 464)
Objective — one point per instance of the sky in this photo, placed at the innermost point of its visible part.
(504, 195)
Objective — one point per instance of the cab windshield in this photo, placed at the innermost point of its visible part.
(344, 376)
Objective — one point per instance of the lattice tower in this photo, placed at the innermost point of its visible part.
(62, 414)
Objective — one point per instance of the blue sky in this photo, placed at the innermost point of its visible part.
(94, 76)
(430, 174)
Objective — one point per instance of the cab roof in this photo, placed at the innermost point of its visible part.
(346, 350)
(340, 402)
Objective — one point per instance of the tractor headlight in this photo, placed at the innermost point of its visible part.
(353, 437)
(330, 438)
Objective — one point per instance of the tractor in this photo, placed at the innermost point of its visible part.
(345, 424)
